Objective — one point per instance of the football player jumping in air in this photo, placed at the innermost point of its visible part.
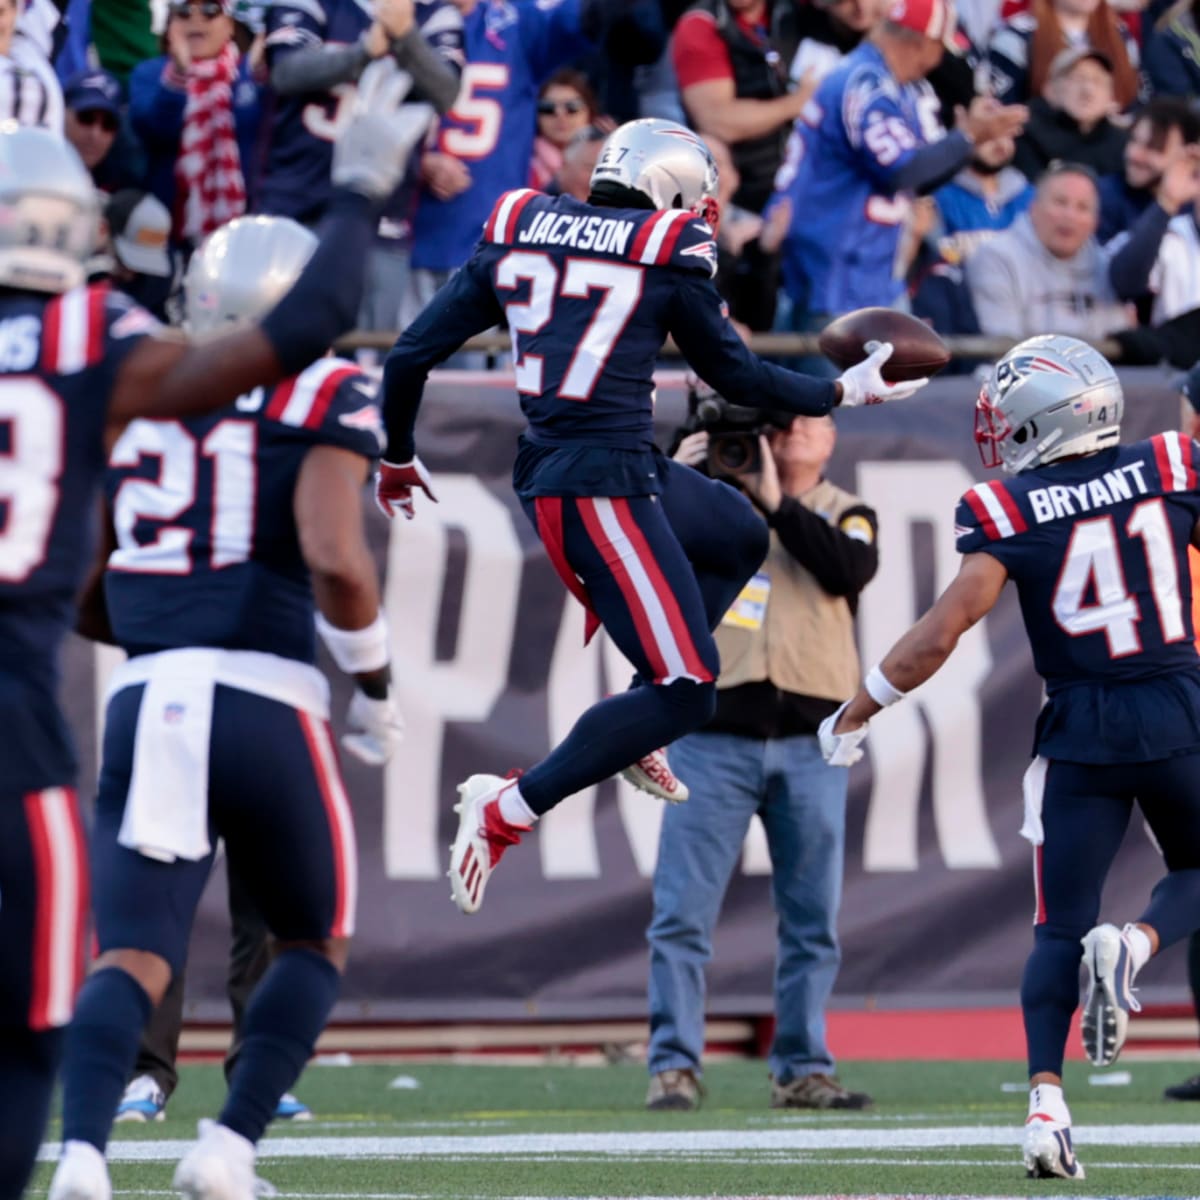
(1095, 535)
(77, 364)
(655, 551)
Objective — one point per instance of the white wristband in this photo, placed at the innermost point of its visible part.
(880, 688)
(356, 650)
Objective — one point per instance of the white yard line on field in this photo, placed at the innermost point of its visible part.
(665, 1143)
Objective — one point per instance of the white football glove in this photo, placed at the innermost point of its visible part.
(863, 383)
(840, 749)
(374, 729)
(371, 153)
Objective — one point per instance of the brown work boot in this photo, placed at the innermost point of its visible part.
(816, 1091)
(676, 1090)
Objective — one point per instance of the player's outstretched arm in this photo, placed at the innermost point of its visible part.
(916, 657)
(327, 503)
(718, 355)
(169, 377)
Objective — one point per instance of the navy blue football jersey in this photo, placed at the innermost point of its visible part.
(207, 548)
(589, 295)
(58, 359)
(296, 177)
(1098, 549)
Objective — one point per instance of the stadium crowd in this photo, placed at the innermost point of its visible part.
(1060, 130)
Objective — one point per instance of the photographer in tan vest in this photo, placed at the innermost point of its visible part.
(788, 659)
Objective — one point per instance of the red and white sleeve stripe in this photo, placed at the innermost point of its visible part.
(73, 330)
(304, 399)
(655, 241)
(995, 510)
(1174, 457)
(502, 224)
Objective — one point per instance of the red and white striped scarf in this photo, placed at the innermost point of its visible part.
(208, 172)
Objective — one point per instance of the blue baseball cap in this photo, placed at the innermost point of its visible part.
(92, 90)
(1189, 385)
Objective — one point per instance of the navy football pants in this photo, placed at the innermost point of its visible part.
(275, 796)
(659, 572)
(43, 909)
(1085, 812)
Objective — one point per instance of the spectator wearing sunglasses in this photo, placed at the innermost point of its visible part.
(196, 109)
(92, 125)
(29, 90)
(565, 105)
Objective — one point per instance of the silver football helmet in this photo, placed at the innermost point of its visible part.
(1047, 398)
(49, 211)
(241, 270)
(664, 162)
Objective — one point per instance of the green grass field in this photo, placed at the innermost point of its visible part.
(559, 1131)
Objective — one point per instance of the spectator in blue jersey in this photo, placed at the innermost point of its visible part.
(1159, 133)
(484, 144)
(1021, 50)
(316, 52)
(197, 111)
(1170, 52)
(1072, 121)
(983, 199)
(870, 140)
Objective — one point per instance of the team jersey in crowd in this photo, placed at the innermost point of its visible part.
(856, 133)
(296, 178)
(510, 49)
(30, 93)
(207, 548)
(1098, 549)
(589, 295)
(58, 359)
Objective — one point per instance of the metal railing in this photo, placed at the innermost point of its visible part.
(770, 345)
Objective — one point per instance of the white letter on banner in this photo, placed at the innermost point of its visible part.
(429, 692)
(906, 494)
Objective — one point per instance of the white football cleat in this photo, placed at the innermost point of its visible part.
(1110, 998)
(1047, 1150)
(483, 836)
(81, 1174)
(220, 1166)
(654, 776)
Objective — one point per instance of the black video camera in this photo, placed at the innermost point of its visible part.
(733, 431)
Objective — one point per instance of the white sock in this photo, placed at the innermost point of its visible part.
(513, 807)
(1139, 946)
(1047, 1099)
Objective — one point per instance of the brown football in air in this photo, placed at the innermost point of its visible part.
(918, 349)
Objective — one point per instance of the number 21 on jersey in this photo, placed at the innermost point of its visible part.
(168, 497)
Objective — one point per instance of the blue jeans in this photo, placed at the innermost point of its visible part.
(802, 803)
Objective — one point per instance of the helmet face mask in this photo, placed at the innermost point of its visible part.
(665, 163)
(49, 212)
(1048, 398)
(241, 270)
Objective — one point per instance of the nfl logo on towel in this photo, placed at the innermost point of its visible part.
(174, 713)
